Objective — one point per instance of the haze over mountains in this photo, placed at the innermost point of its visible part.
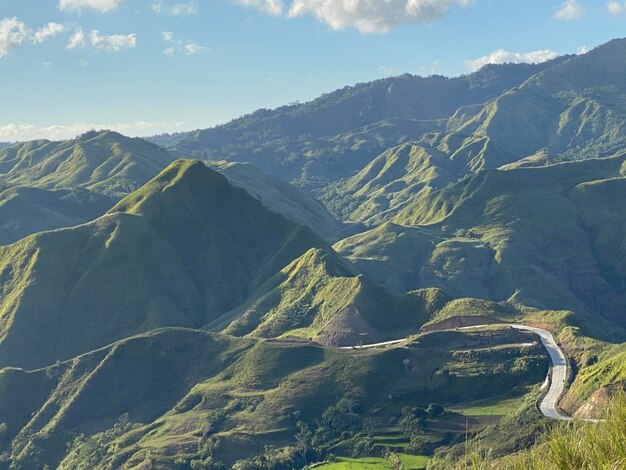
(163, 312)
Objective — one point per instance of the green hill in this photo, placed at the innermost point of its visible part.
(178, 390)
(49, 185)
(572, 110)
(543, 237)
(104, 162)
(182, 250)
(24, 211)
(338, 133)
(310, 296)
(279, 196)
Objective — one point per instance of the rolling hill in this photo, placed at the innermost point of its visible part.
(24, 211)
(159, 398)
(180, 251)
(553, 116)
(340, 132)
(544, 237)
(101, 161)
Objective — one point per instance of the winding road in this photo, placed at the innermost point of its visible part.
(558, 374)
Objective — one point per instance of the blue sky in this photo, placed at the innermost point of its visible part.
(149, 66)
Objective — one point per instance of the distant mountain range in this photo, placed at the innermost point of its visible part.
(179, 302)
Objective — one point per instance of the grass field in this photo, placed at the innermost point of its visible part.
(409, 462)
(490, 407)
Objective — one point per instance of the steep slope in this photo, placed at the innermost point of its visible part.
(157, 399)
(279, 196)
(180, 251)
(104, 162)
(309, 295)
(340, 132)
(24, 211)
(543, 237)
(574, 109)
(390, 182)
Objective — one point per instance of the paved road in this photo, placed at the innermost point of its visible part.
(558, 372)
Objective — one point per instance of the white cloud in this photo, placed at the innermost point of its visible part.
(582, 50)
(176, 9)
(615, 7)
(112, 43)
(102, 42)
(569, 10)
(19, 132)
(12, 33)
(12, 132)
(177, 46)
(192, 48)
(76, 40)
(501, 56)
(367, 16)
(48, 31)
(272, 7)
(103, 6)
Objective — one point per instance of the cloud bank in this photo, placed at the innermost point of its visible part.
(177, 46)
(367, 16)
(502, 56)
(101, 42)
(20, 132)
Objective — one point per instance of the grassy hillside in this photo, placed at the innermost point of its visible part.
(389, 182)
(104, 162)
(180, 251)
(573, 109)
(319, 296)
(177, 391)
(544, 237)
(24, 211)
(571, 445)
(279, 196)
(340, 132)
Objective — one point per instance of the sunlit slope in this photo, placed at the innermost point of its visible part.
(319, 296)
(544, 237)
(24, 211)
(178, 387)
(180, 251)
(104, 162)
(340, 132)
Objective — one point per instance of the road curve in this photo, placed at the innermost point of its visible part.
(558, 379)
(558, 374)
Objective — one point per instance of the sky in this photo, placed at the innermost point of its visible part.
(144, 67)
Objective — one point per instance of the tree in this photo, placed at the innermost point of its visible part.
(435, 409)
(420, 413)
(303, 439)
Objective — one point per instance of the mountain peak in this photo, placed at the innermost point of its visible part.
(182, 180)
